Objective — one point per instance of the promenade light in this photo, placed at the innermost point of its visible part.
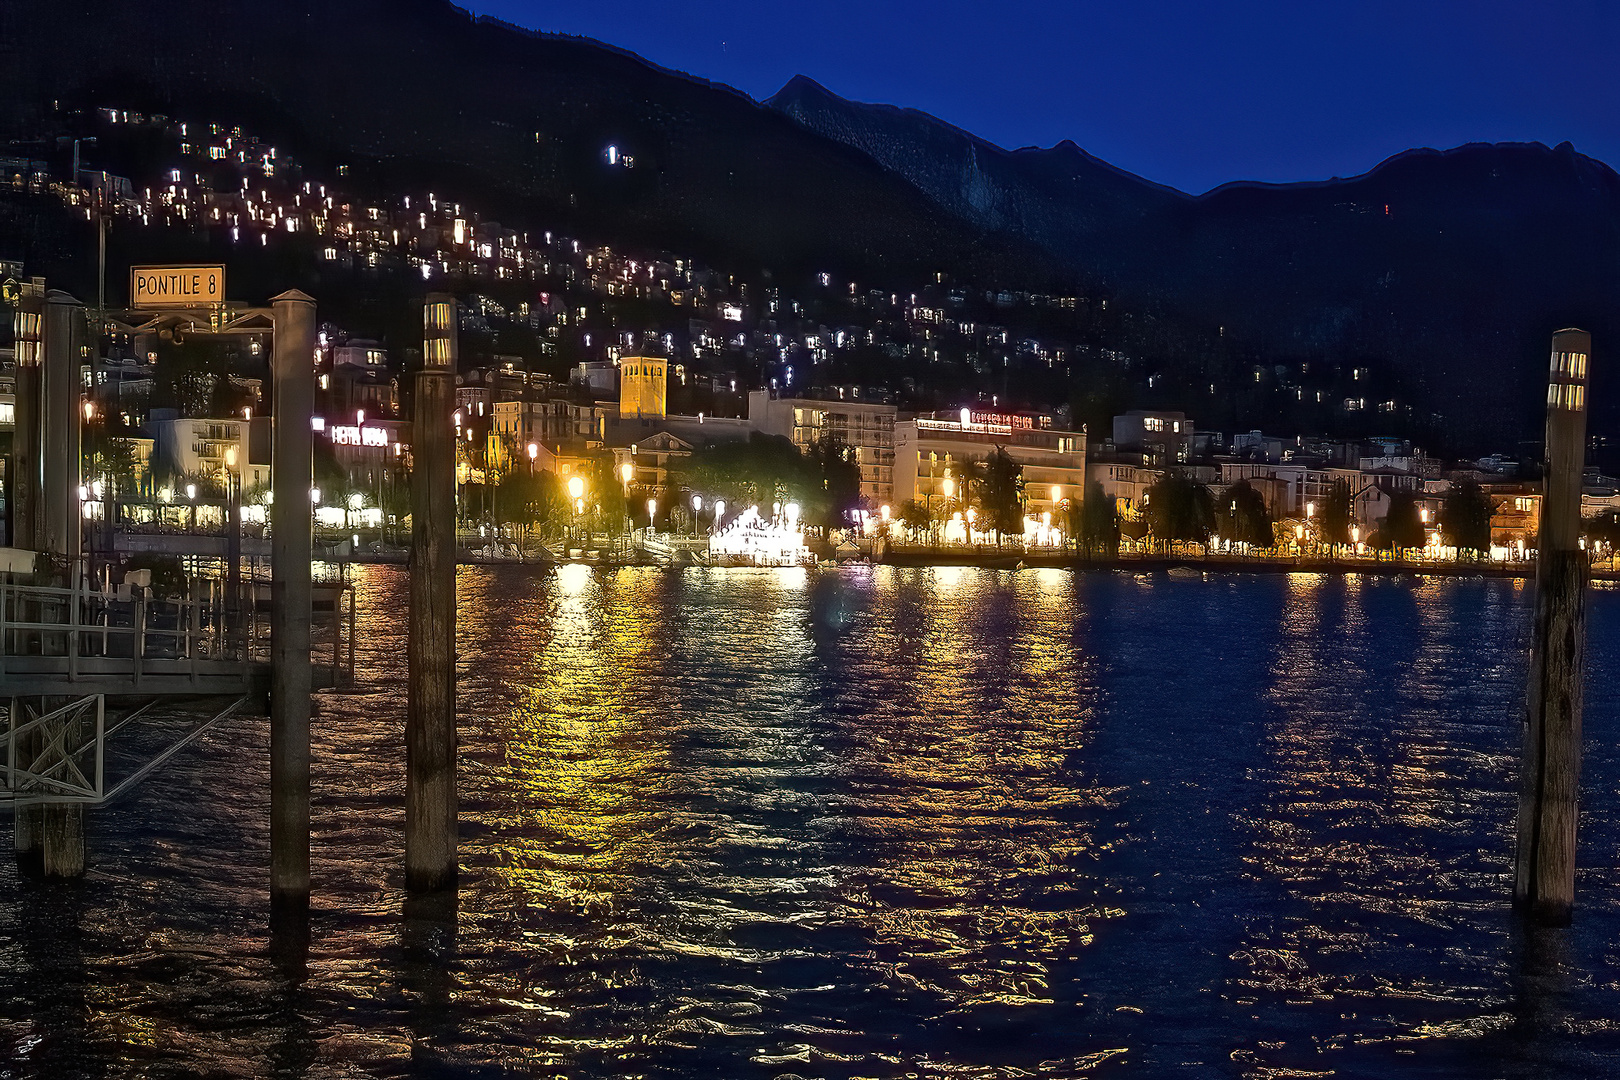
(652, 510)
(626, 472)
(534, 451)
(697, 504)
(191, 491)
(576, 488)
(1310, 510)
(230, 457)
(89, 411)
(1423, 514)
(883, 511)
(949, 487)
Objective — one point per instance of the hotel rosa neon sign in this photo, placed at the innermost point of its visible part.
(352, 435)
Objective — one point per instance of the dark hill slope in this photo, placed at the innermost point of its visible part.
(1446, 272)
(417, 90)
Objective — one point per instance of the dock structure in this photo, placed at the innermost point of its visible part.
(83, 656)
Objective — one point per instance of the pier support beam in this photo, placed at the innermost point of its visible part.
(62, 834)
(430, 723)
(24, 513)
(291, 476)
(1549, 796)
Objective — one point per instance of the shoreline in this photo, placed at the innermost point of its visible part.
(1145, 564)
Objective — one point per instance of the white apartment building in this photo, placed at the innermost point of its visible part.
(868, 427)
(931, 450)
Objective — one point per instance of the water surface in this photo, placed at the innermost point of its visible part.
(870, 823)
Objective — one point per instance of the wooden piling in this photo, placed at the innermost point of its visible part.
(1549, 796)
(430, 723)
(24, 517)
(291, 476)
(60, 535)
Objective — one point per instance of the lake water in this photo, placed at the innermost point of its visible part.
(871, 823)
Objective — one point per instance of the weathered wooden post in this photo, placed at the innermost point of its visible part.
(430, 723)
(62, 839)
(1549, 796)
(24, 513)
(291, 475)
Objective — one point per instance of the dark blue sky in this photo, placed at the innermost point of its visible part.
(1187, 93)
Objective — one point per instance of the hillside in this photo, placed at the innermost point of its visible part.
(417, 91)
(1442, 272)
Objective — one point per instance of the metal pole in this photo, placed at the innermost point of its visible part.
(59, 415)
(28, 476)
(1549, 797)
(291, 472)
(430, 724)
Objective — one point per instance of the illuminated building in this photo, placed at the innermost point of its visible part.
(643, 386)
(1163, 436)
(867, 427)
(931, 454)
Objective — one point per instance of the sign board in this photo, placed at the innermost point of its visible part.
(176, 286)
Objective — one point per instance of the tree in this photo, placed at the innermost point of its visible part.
(1465, 518)
(1602, 534)
(1179, 508)
(1094, 523)
(1403, 525)
(527, 497)
(1338, 513)
(914, 515)
(1243, 517)
(1000, 493)
(763, 470)
(836, 476)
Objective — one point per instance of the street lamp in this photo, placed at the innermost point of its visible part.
(652, 513)
(697, 508)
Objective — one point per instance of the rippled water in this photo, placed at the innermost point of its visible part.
(871, 823)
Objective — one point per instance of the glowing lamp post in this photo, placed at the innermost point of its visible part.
(697, 508)
(652, 513)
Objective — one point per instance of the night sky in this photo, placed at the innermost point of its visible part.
(1187, 93)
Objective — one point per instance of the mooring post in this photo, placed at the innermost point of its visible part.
(62, 836)
(430, 722)
(291, 477)
(1549, 796)
(27, 477)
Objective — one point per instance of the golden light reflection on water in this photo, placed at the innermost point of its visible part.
(968, 819)
(755, 823)
(1354, 794)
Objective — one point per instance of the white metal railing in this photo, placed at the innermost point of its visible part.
(50, 757)
(75, 624)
